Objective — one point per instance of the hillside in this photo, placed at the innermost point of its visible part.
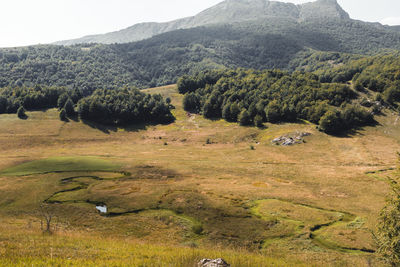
(163, 58)
(255, 34)
(226, 12)
(171, 186)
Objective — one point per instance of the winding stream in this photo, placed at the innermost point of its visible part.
(318, 221)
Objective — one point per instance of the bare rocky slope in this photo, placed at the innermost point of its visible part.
(226, 12)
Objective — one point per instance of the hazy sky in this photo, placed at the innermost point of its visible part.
(25, 22)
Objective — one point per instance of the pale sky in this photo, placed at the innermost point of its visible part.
(27, 22)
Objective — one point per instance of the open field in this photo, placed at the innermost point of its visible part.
(314, 203)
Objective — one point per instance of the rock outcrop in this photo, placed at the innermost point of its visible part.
(290, 139)
(213, 263)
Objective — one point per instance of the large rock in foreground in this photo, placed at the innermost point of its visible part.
(213, 263)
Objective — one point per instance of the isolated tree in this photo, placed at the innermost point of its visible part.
(21, 112)
(69, 108)
(62, 99)
(47, 217)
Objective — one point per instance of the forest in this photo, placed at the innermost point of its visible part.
(253, 97)
(380, 74)
(162, 59)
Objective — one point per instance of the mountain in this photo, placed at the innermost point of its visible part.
(229, 11)
(260, 35)
(395, 28)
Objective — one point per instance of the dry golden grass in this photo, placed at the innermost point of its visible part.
(214, 185)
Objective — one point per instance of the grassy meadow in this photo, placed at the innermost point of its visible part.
(192, 189)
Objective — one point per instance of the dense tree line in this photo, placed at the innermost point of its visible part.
(31, 98)
(123, 106)
(108, 106)
(252, 97)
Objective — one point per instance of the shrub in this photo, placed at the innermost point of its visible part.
(272, 111)
(69, 108)
(192, 103)
(21, 112)
(258, 121)
(244, 118)
(63, 115)
(331, 122)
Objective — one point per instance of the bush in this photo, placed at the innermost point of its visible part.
(258, 121)
(69, 108)
(391, 95)
(21, 113)
(62, 99)
(331, 122)
(272, 111)
(358, 86)
(192, 102)
(244, 118)
(197, 229)
(63, 115)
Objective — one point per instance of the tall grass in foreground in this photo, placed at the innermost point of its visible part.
(27, 248)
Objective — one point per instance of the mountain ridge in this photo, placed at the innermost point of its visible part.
(226, 12)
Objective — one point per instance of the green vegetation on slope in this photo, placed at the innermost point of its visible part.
(379, 74)
(270, 43)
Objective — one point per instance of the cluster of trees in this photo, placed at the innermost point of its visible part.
(380, 74)
(124, 105)
(32, 98)
(252, 97)
(108, 106)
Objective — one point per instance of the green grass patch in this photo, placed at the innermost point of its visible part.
(61, 164)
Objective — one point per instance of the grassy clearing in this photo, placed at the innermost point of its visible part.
(60, 164)
(172, 190)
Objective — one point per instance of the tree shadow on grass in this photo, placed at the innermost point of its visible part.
(74, 118)
(107, 129)
(23, 117)
(355, 131)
